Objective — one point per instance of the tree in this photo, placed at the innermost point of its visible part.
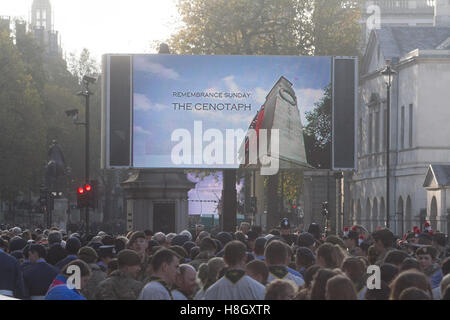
(22, 129)
(336, 30)
(243, 27)
(317, 133)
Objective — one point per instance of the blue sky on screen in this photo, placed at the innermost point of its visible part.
(157, 77)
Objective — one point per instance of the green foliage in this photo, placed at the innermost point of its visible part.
(22, 129)
(317, 133)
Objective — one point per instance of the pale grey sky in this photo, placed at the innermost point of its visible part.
(105, 26)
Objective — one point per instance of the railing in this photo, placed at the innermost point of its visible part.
(404, 6)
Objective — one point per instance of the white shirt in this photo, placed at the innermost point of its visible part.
(287, 276)
(244, 289)
(154, 291)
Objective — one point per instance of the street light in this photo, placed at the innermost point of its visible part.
(86, 93)
(388, 74)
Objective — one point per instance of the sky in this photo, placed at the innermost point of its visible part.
(105, 26)
(157, 77)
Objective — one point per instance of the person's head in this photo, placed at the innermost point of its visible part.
(384, 239)
(148, 234)
(396, 257)
(138, 242)
(319, 283)
(128, 261)
(276, 253)
(354, 268)
(340, 288)
(73, 245)
(414, 294)
(409, 263)
(426, 256)
(315, 230)
(208, 245)
(120, 243)
(281, 290)
(85, 271)
(425, 238)
(54, 237)
(445, 283)
(309, 275)
(88, 255)
(257, 270)
(306, 240)
(17, 244)
(379, 294)
(333, 239)
(244, 227)
(235, 254)
(260, 245)
(169, 238)
(183, 255)
(351, 239)
(36, 252)
(208, 272)
(165, 265)
(106, 253)
(330, 256)
(201, 236)
(186, 279)
(187, 234)
(304, 258)
(408, 279)
(388, 272)
(224, 237)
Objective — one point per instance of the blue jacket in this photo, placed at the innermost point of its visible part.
(11, 277)
(61, 264)
(38, 277)
(60, 291)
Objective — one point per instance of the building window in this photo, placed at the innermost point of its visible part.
(369, 136)
(377, 131)
(384, 129)
(411, 125)
(402, 129)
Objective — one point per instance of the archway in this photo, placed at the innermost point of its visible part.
(358, 212)
(367, 220)
(433, 214)
(408, 214)
(382, 213)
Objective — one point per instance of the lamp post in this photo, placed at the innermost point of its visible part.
(86, 93)
(388, 74)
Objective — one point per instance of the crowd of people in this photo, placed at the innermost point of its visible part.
(248, 264)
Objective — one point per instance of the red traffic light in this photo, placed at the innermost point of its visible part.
(80, 190)
(294, 206)
(87, 188)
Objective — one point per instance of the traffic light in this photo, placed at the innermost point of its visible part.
(82, 197)
(87, 195)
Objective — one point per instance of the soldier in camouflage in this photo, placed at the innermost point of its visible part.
(89, 255)
(122, 283)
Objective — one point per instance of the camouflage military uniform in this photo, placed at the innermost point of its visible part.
(144, 275)
(97, 276)
(119, 286)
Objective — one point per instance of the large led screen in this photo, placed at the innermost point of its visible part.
(218, 112)
(202, 103)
